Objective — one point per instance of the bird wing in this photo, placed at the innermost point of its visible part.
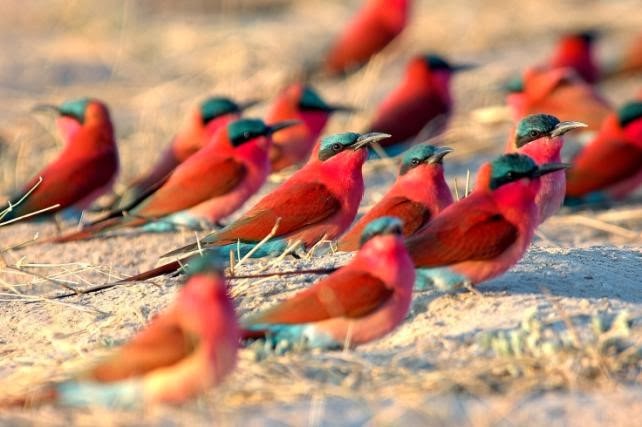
(189, 186)
(162, 343)
(601, 165)
(345, 293)
(465, 231)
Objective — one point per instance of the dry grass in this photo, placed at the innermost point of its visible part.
(151, 61)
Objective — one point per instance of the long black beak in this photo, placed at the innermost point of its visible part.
(563, 127)
(439, 154)
(249, 104)
(370, 138)
(283, 125)
(456, 68)
(550, 168)
(39, 108)
(338, 108)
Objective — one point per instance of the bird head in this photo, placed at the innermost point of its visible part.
(83, 110)
(334, 145)
(382, 226)
(215, 107)
(422, 154)
(309, 100)
(514, 167)
(538, 126)
(245, 130)
(630, 119)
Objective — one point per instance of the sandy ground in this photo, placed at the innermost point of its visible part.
(151, 63)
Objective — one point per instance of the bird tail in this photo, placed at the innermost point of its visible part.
(169, 268)
(95, 229)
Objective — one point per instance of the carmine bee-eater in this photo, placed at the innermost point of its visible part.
(184, 351)
(208, 186)
(318, 201)
(484, 234)
(609, 167)
(361, 302)
(84, 170)
(559, 92)
(417, 196)
(420, 106)
(540, 136)
(298, 102)
(575, 50)
(212, 114)
(377, 24)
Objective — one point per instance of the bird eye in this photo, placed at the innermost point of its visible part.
(414, 162)
(533, 134)
(336, 147)
(246, 135)
(510, 175)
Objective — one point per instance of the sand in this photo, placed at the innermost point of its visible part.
(151, 63)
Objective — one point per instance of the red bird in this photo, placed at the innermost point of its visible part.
(484, 234)
(298, 102)
(208, 186)
(575, 50)
(610, 167)
(540, 136)
(559, 92)
(377, 24)
(361, 302)
(420, 106)
(417, 196)
(187, 349)
(317, 202)
(203, 122)
(86, 168)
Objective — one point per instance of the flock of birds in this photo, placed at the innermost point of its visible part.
(415, 237)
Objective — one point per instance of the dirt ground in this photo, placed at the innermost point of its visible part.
(458, 360)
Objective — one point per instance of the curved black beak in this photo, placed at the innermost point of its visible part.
(40, 108)
(550, 168)
(370, 138)
(456, 68)
(249, 104)
(439, 154)
(282, 125)
(563, 127)
(338, 108)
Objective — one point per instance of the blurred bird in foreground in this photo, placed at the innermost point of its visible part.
(298, 102)
(575, 51)
(610, 166)
(208, 186)
(417, 196)
(317, 202)
(212, 114)
(484, 234)
(420, 107)
(377, 24)
(361, 302)
(184, 351)
(84, 170)
(560, 93)
(540, 136)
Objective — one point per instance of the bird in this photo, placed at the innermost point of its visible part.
(361, 302)
(84, 170)
(208, 186)
(377, 24)
(185, 350)
(317, 202)
(420, 106)
(418, 195)
(484, 234)
(558, 92)
(540, 136)
(575, 50)
(298, 102)
(202, 123)
(610, 166)
(629, 61)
